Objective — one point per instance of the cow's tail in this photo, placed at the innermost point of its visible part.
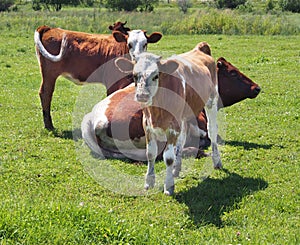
(41, 49)
(89, 136)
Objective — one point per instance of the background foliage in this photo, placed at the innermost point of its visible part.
(290, 5)
(150, 5)
(5, 4)
(206, 20)
(229, 3)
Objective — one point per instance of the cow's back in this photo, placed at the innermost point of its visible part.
(196, 79)
(85, 52)
(90, 44)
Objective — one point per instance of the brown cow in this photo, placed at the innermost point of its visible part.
(117, 120)
(77, 56)
(167, 102)
(233, 87)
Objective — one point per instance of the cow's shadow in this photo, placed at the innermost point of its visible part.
(248, 145)
(68, 134)
(212, 197)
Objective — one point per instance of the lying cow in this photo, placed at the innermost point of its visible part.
(114, 127)
(77, 55)
(192, 86)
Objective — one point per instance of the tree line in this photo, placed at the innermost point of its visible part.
(144, 5)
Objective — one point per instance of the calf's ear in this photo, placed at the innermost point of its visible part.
(168, 67)
(154, 37)
(124, 65)
(119, 37)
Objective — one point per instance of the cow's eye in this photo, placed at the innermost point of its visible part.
(145, 46)
(233, 73)
(129, 45)
(155, 77)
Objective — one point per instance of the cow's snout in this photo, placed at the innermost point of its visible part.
(257, 90)
(142, 97)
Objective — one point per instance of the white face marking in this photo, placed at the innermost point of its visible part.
(137, 43)
(146, 75)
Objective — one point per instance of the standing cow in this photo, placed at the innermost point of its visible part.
(78, 55)
(233, 87)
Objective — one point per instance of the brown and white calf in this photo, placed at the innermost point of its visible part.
(80, 57)
(171, 92)
(114, 127)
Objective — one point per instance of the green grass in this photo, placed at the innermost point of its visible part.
(48, 197)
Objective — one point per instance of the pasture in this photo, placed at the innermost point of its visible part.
(48, 197)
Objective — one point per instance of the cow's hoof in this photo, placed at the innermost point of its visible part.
(169, 191)
(150, 182)
(218, 165)
(146, 187)
(49, 127)
(175, 173)
(201, 154)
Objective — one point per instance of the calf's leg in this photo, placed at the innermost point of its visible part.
(211, 110)
(179, 148)
(151, 151)
(169, 158)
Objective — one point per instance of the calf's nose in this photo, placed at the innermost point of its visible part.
(142, 97)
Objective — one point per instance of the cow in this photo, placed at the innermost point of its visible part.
(167, 102)
(114, 127)
(233, 87)
(80, 57)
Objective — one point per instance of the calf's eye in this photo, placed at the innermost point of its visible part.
(135, 78)
(129, 45)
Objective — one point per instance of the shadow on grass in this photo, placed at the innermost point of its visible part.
(248, 145)
(68, 134)
(212, 197)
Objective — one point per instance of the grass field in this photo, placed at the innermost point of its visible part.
(47, 196)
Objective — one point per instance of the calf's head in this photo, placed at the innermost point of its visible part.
(146, 70)
(234, 86)
(137, 40)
